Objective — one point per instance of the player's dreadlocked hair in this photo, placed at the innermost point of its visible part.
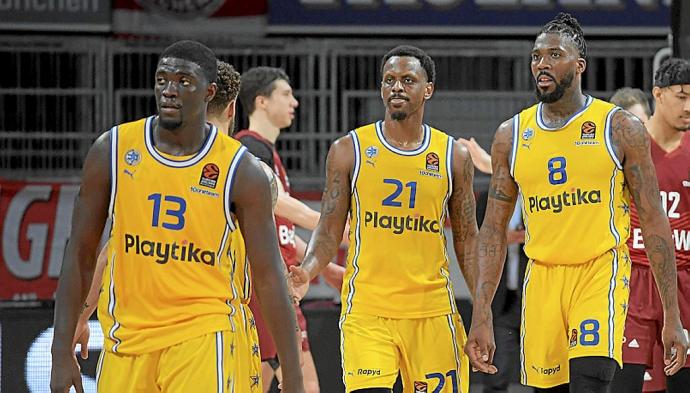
(566, 25)
(671, 72)
(228, 87)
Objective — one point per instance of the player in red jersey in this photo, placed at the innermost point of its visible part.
(266, 96)
(670, 149)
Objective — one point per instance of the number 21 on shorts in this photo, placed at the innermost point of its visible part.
(437, 381)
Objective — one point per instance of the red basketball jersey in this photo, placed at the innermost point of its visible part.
(673, 174)
(284, 227)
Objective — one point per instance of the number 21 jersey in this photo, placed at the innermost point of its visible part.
(397, 261)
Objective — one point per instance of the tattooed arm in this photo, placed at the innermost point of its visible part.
(632, 144)
(463, 216)
(491, 250)
(335, 205)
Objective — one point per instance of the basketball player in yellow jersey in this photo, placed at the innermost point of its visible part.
(176, 189)
(574, 160)
(398, 179)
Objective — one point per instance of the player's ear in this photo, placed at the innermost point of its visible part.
(428, 90)
(656, 93)
(210, 91)
(231, 110)
(581, 65)
(259, 102)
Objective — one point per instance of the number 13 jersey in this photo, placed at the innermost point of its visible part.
(169, 276)
(397, 261)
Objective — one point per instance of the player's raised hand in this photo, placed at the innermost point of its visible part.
(298, 281)
(480, 347)
(81, 336)
(675, 346)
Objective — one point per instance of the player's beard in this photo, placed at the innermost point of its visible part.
(399, 115)
(558, 91)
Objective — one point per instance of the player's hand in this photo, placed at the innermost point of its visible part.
(675, 346)
(480, 158)
(346, 235)
(480, 346)
(298, 281)
(516, 236)
(65, 373)
(81, 336)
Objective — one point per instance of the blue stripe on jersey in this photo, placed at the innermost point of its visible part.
(358, 249)
(229, 181)
(449, 167)
(223, 240)
(612, 301)
(449, 285)
(617, 237)
(612, 211)
(444, 213)
(219, 362)
(542, 124)
(205, 147)
(456, 351)
(425, 144)
(358, 160)
(523, 365)
(247, 279)
(525, 219)
(341, 322)
(111, 307)
(607, 138)
(113, 170)
(513, 151)
(99, 368)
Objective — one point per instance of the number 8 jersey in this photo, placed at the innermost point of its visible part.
(169, 275)
(576, 203)
(397, 261)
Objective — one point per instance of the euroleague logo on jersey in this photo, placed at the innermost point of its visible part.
(432, 162)
(209, 175)
(588, 130)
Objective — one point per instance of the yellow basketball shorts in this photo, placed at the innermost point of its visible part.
(428, 352)
(219, 362)
(572, 311)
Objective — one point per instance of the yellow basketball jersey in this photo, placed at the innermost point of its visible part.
(171, 258)
(575, 201)
(397, 262)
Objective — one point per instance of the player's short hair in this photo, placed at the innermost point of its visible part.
(412, 51)
(258, 81)
(566, 25)
(627, 97)
(228, 82)
(197, 53)
(673, 71)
